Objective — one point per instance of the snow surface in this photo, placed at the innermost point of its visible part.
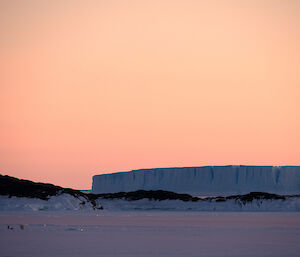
(289, 205)
(210, 180)
(149, 234)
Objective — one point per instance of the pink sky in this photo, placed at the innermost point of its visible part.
(91, 87)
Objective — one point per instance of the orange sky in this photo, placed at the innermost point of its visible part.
(91, 87)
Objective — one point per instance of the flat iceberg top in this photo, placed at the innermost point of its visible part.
(206, 180)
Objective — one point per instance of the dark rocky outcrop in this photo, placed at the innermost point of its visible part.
(11, 186)
(150, 194)
(160, 195)
(250, 197)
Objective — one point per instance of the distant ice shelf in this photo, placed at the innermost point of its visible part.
(207, 180)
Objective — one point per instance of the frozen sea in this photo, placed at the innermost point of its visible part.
(149, 234)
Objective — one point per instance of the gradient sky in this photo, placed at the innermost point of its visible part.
(91, 87)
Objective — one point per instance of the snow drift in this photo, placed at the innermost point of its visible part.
(61, 202)
(291, 204)
(154, 201)
(209, 180)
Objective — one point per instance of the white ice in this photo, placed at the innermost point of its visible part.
(210, 180)
(149, 234)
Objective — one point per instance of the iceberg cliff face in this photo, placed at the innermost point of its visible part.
(208, 180)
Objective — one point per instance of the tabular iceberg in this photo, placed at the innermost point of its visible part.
(208, 180)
